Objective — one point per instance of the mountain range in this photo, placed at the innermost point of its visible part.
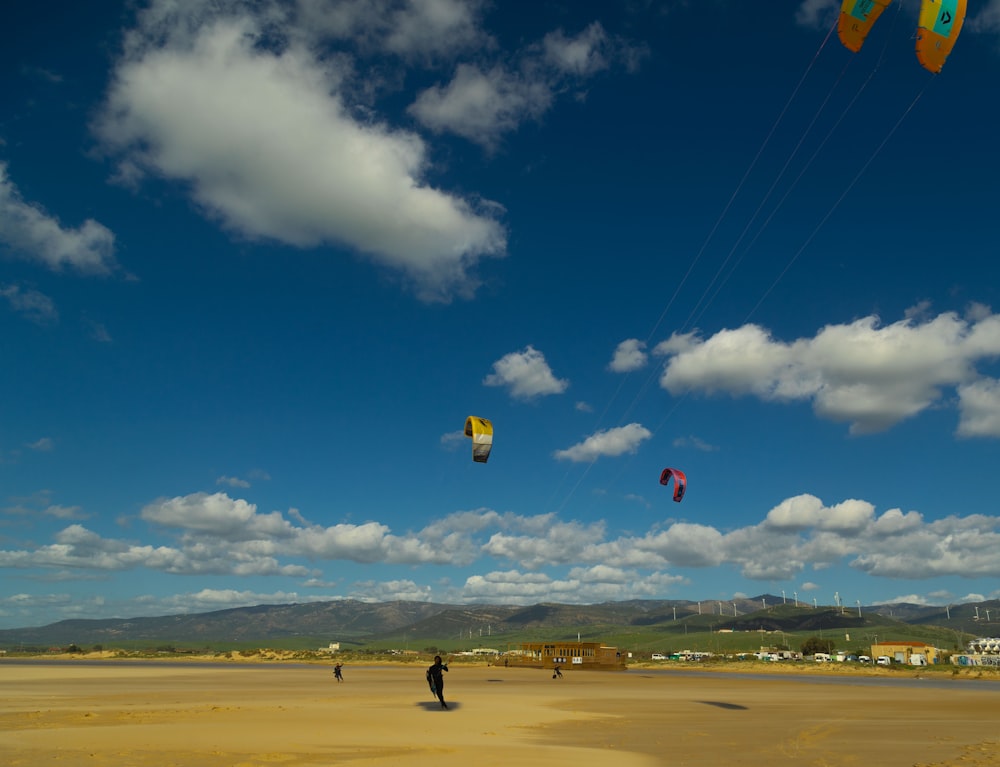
(360, 623)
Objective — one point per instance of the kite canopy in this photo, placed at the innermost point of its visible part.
(680, 482)
(481, 431)
(937, 30)
(856, 20)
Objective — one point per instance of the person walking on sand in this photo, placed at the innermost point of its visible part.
(338, 671)
(435, 678)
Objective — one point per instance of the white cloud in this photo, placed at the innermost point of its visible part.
(869, 375)
(31, 304)
(232, 482)
(526, 375)
(557, 543)
(549, 558)
(267, 146)
(388, 591)
(629, 355)
(482, 105)
(611, 442)
(979, 404)
(407, 28)
(816, 13)
(696, 442)
(218, 515)
(582, 585)
(583, 54)
(807, 511)
(987, 20)
(482, 102)
(29, 232)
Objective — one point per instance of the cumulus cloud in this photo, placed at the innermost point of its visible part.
(556, 542)
(873, 376)
(629, 355)
(482, 103)
(807, 511)
(235, 104)
(407, 28)
(581, 54)
(517, 558)
(581, 585)
(979, 405)
(526, 375)
(610, 442)
(27, 231)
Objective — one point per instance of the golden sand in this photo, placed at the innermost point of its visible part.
(169, 714)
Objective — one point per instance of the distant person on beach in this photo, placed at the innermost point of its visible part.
(436, 679)
(338, 671)
(556, 672)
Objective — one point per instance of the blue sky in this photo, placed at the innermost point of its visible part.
(259, 261)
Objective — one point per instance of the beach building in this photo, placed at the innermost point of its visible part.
(907, 653)
(982, 651)
(569, 655)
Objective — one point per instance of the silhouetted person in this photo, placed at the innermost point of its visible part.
(435, 678)
(338, 672)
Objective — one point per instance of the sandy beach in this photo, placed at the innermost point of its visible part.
(168, 714)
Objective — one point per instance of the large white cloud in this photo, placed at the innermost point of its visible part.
(263, 139)
(870, 375)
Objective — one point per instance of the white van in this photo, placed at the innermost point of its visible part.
(883, 660)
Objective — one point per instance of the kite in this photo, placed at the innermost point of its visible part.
(856, 20)
(937, 30)
(680, 482)
(481, 431)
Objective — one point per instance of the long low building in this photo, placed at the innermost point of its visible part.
(907, 653)
(570, 655)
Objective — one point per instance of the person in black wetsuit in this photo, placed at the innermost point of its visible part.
(435, 678)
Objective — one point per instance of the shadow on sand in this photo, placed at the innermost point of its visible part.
(720, 704)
